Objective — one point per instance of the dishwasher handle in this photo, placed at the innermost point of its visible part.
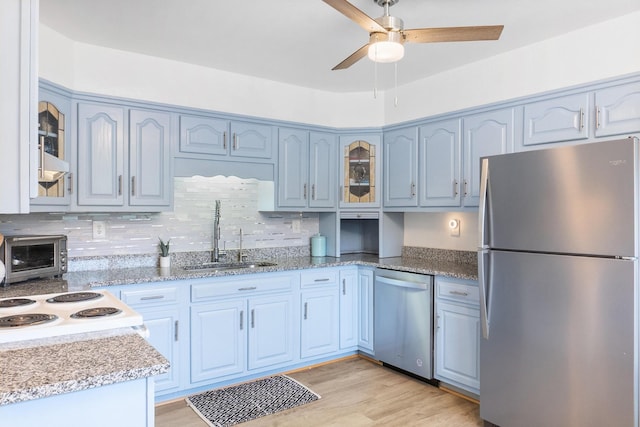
(402, 283)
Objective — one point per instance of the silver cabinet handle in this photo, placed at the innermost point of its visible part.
(413, 190)
(455, 187)
(248, 288)
(151, 297)
(326, 279)
(313, 191)
(235, 141)
(305, 310)
(466, 185)
(224, 140)
(70, 188)
(437, 321)
(133, 185)
(344, 286)
(119, 185)
(175, 331)
(241, 319)
(597, 118)
(253, 318)
(459, 293)
(581, 124)
(304, 191)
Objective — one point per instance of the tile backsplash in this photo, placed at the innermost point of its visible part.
(189, 226)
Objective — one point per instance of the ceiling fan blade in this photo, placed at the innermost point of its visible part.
(353, 58)
(453, 34)
(356, 15)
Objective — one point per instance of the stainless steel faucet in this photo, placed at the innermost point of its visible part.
(215, 255)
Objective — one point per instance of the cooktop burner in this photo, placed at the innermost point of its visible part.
(94, 312)
(28, 319)
(75, 297)
(16, 302)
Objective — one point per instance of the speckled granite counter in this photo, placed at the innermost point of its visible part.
(47, 367)
(83, 280)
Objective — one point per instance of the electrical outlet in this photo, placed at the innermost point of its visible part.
(99, 230)
(296, 225)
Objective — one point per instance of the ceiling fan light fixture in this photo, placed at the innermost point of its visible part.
(386, 51)
(385, 47)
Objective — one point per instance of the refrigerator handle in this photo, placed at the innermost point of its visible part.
(482, 206)
(484, 279)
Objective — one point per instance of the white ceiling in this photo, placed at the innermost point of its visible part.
(299, 41)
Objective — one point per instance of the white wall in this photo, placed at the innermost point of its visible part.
(431, 230)
(597, 52)
(605, 50)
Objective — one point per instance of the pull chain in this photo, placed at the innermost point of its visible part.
(395, 99)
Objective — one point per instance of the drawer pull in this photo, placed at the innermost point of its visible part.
(152, 297)
(326, 279)
(459, 293)
(248, 288)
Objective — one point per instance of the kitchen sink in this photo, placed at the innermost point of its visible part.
(219, 266)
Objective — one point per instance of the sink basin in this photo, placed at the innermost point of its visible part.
(218, 266)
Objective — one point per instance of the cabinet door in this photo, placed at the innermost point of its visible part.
(559, 119)
(485, 134)
(319, 323)
(270, 331)
(149, 158)
(348, 308)
(458, 345)
(251, 140)
(100, 155)
(218, 335)
(323, 155)
(204, 135)
(360, 171)
(618, 110)
(163, 325)
(440, 163)
(400, 169)
(54, 152)
(365, 310)
(293, 170)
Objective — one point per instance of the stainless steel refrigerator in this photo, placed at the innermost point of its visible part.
(558, 273)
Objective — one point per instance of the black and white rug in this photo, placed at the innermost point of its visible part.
(244, 402)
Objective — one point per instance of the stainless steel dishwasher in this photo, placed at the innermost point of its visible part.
(403, 321)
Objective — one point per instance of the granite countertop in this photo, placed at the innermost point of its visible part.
(83, 280)
(40, 368)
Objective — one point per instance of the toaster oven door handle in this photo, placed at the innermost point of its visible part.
(26, 238)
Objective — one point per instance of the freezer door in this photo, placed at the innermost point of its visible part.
(574, 200)
(560, 351)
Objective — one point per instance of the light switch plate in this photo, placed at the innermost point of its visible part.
(99, 230)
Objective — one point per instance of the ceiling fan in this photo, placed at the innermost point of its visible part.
(387, 34)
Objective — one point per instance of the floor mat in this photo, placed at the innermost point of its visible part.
(244, 402)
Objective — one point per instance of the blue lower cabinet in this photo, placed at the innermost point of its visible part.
(319, 322)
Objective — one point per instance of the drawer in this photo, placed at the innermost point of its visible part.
(239, 287)
(318, 278)
(467, 292)
(151, 296)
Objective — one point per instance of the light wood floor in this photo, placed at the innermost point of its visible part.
(355, 392)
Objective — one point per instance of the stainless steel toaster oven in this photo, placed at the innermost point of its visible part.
(29, 257)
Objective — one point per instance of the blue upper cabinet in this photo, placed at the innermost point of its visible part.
(204, 135)
(306, 170)
(360, 171)
(119, 170)
(564, 118)
(215, 136)
(485, 134)
(400, 169)
(617, 110)
(293, 168)
(440, 160)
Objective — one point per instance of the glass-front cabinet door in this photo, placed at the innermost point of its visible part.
(54, 179)
(360, 171)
